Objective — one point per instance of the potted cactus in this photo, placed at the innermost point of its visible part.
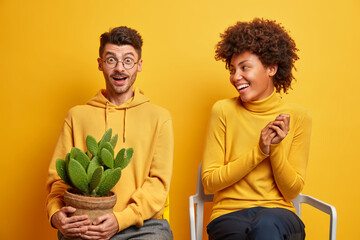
(92, 174)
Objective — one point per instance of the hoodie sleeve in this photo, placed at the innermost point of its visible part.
(149, 199)
(55, 187)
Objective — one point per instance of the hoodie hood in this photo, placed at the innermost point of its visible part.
(101, 101)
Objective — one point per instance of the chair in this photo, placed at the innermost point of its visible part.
(196, 219)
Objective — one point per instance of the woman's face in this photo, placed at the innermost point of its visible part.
(250, 77)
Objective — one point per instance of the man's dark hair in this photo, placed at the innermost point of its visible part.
(121, 36)
(266, 39)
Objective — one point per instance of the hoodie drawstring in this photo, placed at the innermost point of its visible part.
(106, 115)
(124, 129)
(107, 120)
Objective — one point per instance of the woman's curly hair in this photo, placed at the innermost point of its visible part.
(266, 39)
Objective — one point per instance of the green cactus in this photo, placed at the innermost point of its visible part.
(114, 140)
(105, 138)
(61, 169)
(107, 158)
(110, 148)
(96, 171)
(109, 181)
(123, 158)
(92, 145)
(94, 164)
(78, 176)
(83, 159)
(96, 178)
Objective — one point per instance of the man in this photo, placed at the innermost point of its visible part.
(147, 128)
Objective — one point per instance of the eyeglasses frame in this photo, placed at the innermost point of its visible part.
(117, 62)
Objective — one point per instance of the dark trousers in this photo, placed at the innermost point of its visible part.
(257, 223)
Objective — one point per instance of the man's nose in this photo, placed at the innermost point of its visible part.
(120, 66)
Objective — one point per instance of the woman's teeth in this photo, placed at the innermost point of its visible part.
(242, 86)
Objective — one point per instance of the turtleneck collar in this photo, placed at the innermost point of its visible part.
(267, 104)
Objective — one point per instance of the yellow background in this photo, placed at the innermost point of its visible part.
(48, 64)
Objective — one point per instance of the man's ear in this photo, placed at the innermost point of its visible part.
(139, 68)
(100, 64)
(272, 70)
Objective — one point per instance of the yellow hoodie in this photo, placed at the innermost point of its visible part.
(147, 128)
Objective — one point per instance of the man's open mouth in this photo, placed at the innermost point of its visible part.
(119, 77)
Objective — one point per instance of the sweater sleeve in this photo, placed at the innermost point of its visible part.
(150, 198)
(55, 187)
(289, 169)
(216, 174)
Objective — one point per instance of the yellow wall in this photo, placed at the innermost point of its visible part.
(48, 64)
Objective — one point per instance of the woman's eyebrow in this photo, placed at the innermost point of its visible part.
(240, 62)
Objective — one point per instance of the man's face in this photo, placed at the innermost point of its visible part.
(119, 80)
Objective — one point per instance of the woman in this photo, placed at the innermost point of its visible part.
(257, 145)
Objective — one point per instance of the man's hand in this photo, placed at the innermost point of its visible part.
(70, 226)
(281, 126)
(103, 228)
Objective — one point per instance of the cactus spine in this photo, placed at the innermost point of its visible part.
(97, 171)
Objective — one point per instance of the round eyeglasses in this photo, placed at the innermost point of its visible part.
(111, 62)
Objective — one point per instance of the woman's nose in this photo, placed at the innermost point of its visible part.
(237, 76)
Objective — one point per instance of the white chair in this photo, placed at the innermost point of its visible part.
(196, 217)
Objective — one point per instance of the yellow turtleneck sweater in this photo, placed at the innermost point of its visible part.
(235, 168)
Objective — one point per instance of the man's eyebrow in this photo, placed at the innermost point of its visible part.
(129, 53)
(114, 54)
(109, 53)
